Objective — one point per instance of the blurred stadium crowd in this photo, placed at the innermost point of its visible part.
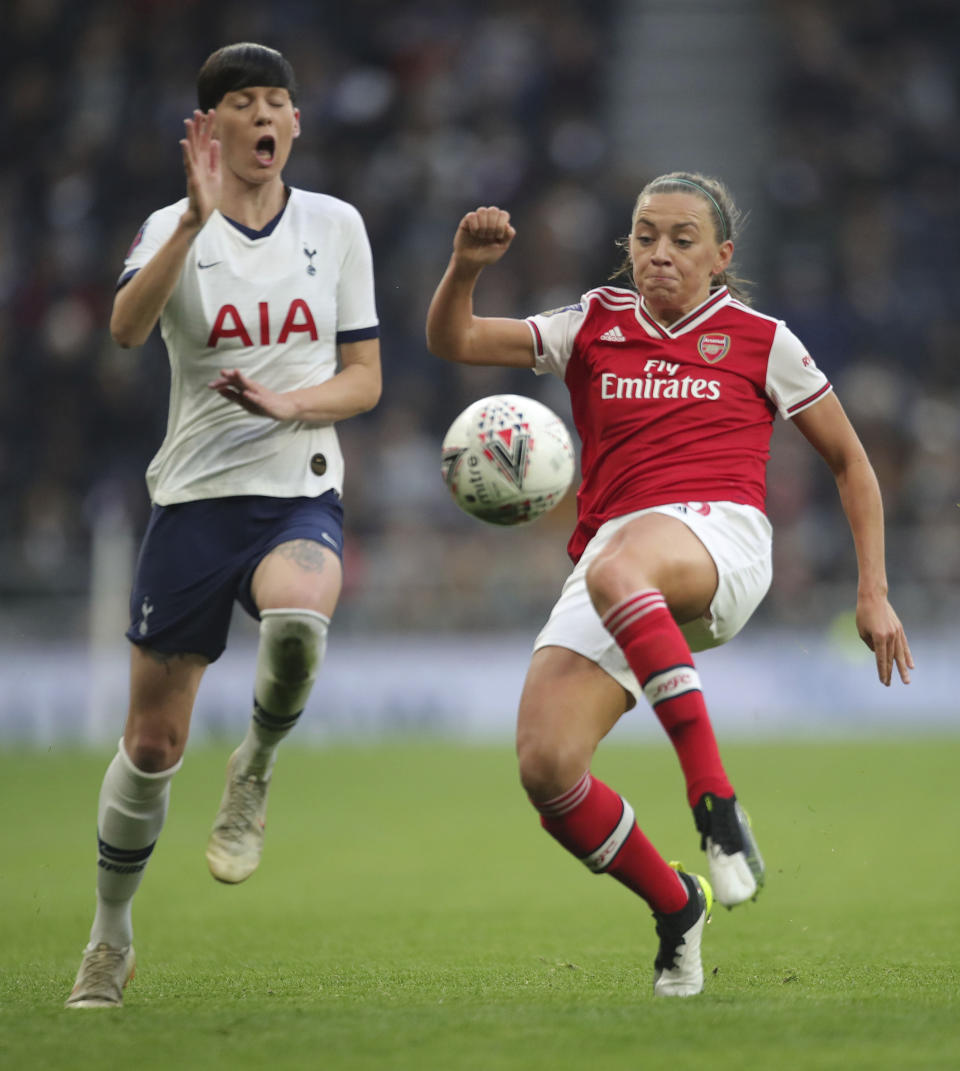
(417, 111)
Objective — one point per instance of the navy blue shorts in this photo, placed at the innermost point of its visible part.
(197, 558)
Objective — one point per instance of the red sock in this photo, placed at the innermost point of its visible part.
(597, 826)
(658, 654)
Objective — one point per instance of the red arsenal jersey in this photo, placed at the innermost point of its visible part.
(671, 414)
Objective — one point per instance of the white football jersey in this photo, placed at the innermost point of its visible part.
(274, 305)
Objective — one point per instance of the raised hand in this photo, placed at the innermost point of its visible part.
(201, 162)
(482, 237)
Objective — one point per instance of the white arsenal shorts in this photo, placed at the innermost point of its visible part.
(739, 539)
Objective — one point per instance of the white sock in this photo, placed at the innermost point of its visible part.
(292, 646)
(133, 806)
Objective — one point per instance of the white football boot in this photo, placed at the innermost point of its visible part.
(236, 841)
(678, 968)
(737, 871)
(104, 971)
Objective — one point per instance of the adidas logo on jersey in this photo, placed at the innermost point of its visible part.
(613, 335)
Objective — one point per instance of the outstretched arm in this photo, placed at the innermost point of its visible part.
(453, 331)
(828, 429)
(137, 306)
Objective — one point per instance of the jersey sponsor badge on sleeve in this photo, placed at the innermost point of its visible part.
(138, 238)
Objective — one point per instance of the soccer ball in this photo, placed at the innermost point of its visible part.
(507, 459)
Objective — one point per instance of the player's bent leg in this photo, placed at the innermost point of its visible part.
(657, 653)
(132, 810)
(643, 583)
(293, 644)
(290, 653)
(295, 588)
(568, 705)
(134, 798)
(653, 573)
(163, 688)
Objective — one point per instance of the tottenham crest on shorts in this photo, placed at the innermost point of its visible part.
(713, 348)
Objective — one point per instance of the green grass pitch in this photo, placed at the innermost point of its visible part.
(409, 913)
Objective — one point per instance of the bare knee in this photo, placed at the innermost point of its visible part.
(606, 583)
(568, 706)
(549, 767)
(162, 690)
(153, 748)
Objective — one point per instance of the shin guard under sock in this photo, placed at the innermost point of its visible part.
(660, 657)
(291, 651)
(133, 807)
(597, 826)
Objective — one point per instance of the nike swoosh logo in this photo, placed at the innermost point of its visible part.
(333, 543)
(212, 264)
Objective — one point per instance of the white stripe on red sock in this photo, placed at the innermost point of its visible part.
(563, 804)
(631, 609)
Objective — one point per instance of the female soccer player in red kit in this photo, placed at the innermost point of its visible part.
(674, 387)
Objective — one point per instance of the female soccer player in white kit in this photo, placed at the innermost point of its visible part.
(265, 300)
(674, 387)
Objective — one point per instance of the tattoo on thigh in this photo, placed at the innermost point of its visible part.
(305, 553)
(168, 660)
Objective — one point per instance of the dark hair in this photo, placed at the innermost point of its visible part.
(240, 66)
(724, 213)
